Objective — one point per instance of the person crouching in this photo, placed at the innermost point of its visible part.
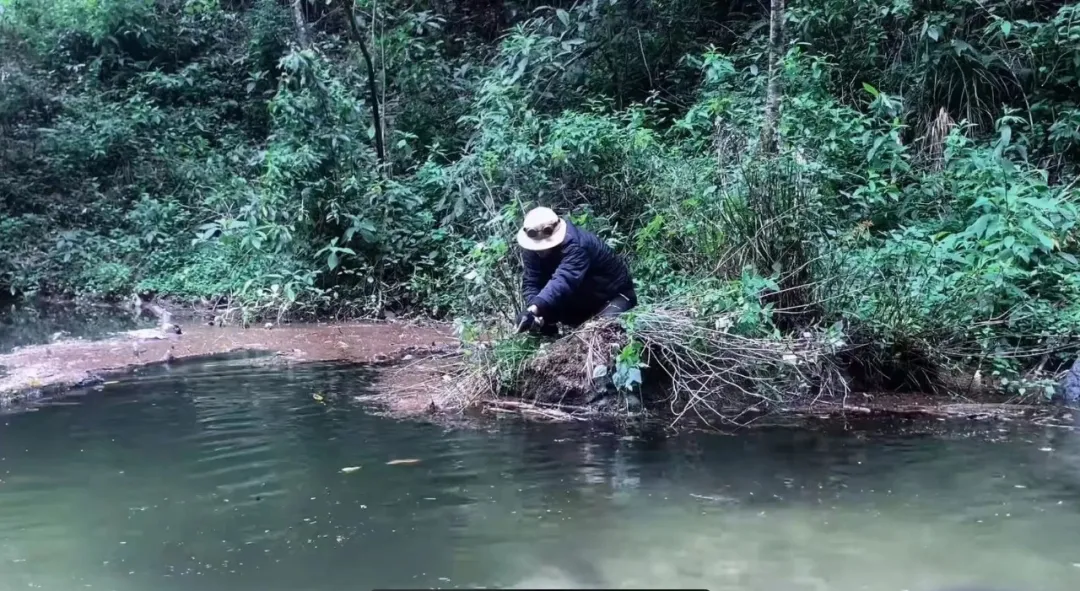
(570, 275)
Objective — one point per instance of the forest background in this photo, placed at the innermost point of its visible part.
(896, 175)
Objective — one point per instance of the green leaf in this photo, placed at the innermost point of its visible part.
(979, 227)
(1037, 233)
(563, 16)
(874, 148)
(332, 260)
(868, 88)
(522, 64)
(1006, 137)
(1068, 258)
(1006, 28)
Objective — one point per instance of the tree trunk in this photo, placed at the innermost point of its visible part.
(770, 141)
(373, 87)
(301, 24)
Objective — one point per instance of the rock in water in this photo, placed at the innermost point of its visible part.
(91, 379)
(1070, 386)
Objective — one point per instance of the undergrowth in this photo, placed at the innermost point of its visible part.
(921, 207)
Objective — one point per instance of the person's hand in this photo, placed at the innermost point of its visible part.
(525, 320)
(528, 320)
(537, 321)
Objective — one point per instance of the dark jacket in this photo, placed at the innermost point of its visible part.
(582, 274)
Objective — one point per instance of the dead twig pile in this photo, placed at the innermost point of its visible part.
(563, 373)
(548, 377)
(713, 371)
(707, 371)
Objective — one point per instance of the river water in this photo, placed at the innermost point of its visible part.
(223, 476)
(41, 323)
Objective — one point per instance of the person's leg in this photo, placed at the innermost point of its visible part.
(619, 304)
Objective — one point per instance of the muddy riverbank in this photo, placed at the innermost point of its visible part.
(417, 362)
(33, 371)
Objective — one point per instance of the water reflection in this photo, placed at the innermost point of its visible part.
(22, 325)
(226, 477)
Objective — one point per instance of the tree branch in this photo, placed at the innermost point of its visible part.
(373, 87)
(301, 25)
(769, 136)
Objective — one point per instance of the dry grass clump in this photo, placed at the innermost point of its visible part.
(716, 372)
(550, 379)
(705, 370)
(563, 372)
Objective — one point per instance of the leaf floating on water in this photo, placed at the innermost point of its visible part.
(1046, 449)
(406, 461)
(318, 397)
(349, 469)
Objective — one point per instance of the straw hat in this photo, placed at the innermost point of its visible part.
(543, 229)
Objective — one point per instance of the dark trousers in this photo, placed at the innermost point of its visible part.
(579, 315)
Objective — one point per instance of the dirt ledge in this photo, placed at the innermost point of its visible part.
(31, 372)
(417, 360)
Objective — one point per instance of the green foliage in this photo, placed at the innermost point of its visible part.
(923, 192)
(628, 366)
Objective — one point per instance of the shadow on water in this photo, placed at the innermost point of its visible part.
(225, 475)
(22, 325)
(220, 365)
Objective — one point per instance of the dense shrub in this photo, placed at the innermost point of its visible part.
(922, 195)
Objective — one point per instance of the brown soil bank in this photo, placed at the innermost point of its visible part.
(699, 375)
(42, 369)
(427, 374)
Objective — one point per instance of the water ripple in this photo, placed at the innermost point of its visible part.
(226, 475)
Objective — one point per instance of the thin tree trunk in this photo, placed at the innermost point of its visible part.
(301, 25)
(373, 87)
(770, 140)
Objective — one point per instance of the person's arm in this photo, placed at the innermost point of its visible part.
(564, 282)
(533, 277)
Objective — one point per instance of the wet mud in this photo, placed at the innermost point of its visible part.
(40, 370)
(415, 363)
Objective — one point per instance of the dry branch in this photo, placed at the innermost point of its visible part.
(706, 372)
